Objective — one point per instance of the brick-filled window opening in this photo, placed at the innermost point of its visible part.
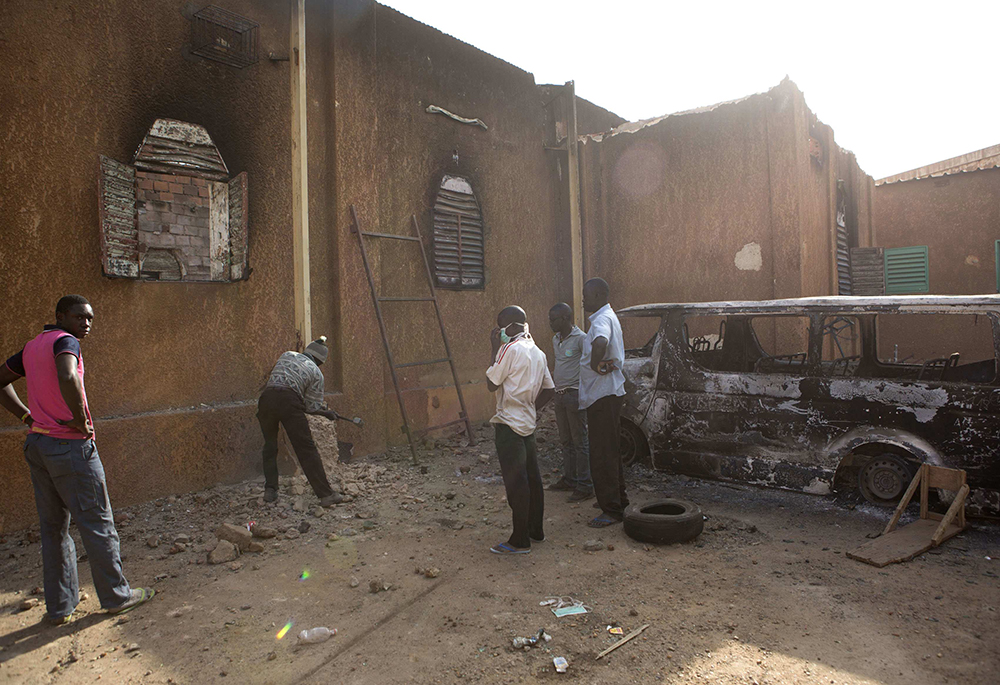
(175, 215)
(458, 236)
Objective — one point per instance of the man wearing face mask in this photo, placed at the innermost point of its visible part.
(520, 376)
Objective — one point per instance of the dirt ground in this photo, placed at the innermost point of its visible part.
(765, 595)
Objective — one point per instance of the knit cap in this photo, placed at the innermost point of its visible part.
(317, 349)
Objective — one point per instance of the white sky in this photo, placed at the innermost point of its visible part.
(903, 84)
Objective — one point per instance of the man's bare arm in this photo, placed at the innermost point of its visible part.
(71, 388)
(597, 351)
(8, 398)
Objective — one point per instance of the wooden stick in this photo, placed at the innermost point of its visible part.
(905, 502)
(625, 639)
(953, 510)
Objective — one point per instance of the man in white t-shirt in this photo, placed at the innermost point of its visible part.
(602, 387)
(519, 374)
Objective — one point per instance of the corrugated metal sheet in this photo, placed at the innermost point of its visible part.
(178, 147)
(867, 271)
(119, 220)
(906, 270)
(987, 158)
(238, 228)
(458, 236)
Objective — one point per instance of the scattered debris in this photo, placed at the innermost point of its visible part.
(355, 582)
(377, 586)
(316, 635)
(153, 541)
(180, 611)
(528, 642)
(223, 552)
(560, 663)
(625, 639)
(133, 647)
(593, 546)
(262, 532)
(235, 534)
(318, 512)
(304, 527)
(30, 603)
(299, 504)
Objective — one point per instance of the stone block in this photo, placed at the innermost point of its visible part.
(176, 229)
(238, 535)
(161, 186)
(176, 189)
(191, 190)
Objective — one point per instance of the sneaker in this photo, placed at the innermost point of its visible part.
(331, 500)
(580, 496)
(270, 494)
(561, 484)
(139, 596)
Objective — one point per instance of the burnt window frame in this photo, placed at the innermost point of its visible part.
(437, 250)
(878, 364)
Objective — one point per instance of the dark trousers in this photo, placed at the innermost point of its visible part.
(68, 478)
(525, 495)
(604, 423)
(572, 424)
(284, 406)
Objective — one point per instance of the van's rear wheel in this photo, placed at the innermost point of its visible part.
(884, 478)
(632, 443)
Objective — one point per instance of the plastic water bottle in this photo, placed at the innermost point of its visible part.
(316, 635)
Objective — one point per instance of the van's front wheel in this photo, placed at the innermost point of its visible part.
(884, 478)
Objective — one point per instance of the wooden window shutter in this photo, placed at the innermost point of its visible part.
(906, 270)
(238, 222)
(458, 236)
(119, 219)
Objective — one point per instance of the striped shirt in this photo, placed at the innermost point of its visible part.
(297, 371)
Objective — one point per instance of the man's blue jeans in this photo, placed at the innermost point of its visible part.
(572, 424)
(69, 481)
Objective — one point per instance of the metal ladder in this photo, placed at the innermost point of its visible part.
(463, 416)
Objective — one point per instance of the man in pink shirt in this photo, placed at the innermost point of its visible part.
(66, 471)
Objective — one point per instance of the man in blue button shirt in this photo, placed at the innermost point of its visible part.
(602, 387)
(567, 345)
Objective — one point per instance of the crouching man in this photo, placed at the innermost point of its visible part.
(294, 389)
(520, 376)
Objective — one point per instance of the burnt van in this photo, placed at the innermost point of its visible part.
(820, 394)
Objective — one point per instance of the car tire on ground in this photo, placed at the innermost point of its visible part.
(664, 521)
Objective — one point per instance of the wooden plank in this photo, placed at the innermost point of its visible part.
(902, 544)
(956, 506)
(923, 490)
(948, 479)
(633, 634)
(573, 177)
(903, 503)
(300, 175)
(218, 231)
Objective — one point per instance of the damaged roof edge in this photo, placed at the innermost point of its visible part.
(978, 160)
(636, 126)
(833, 302)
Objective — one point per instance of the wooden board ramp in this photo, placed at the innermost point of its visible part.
(930, 530)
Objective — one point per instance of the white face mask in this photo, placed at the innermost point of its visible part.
(504, 338)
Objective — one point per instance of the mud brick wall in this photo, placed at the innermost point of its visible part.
(174, 215)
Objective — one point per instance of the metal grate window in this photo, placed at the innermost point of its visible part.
(458, 236)
(906, 270)
(224, 36)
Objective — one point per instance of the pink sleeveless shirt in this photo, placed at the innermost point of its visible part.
(44, 397)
